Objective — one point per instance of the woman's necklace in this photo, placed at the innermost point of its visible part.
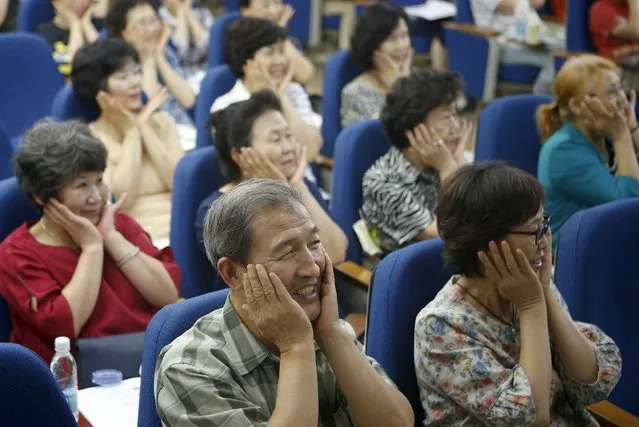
(57, 238)
(501, 319)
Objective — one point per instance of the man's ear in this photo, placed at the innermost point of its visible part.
(38, 201)
(231, 272)
(575, 105)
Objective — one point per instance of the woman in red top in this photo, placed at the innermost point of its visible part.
(83, 269)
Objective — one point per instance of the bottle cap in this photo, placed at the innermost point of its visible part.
(107, 377)
(62, 345)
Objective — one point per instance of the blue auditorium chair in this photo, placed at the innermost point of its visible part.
(6, 153)
(596, 272)
(168, 324)
(216, 83)
(216, 38)
(578, 39)
(16, 209)
(29, 395)
(28, 82)
(469, 50)
(338, 72)
(67, 106)
(403, 283)
(32, 13)
(356, 149)
(507, 131)
(197, 176)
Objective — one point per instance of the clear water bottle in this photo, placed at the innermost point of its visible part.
(65, 372)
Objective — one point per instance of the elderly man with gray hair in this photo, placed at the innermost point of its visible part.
(276, 354)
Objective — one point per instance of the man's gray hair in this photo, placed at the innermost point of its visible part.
(227, 225)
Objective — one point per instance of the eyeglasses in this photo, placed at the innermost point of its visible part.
(539, 234)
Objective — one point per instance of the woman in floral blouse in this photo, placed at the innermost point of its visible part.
(497, 345)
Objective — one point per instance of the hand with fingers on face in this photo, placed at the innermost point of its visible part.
(165, 35)
(155, 102)
(106, 224)
(67, 15)
(256, 78)
(629, 110)
(254, 164)
(464, 133)
(81, 230)
(280, 320)
(512, 275)
(388, 70)
(328, 320)
(137, 39)
(88, 14)
(545, 273)
(114, 111)
(300, 156)
(430, 147)
(605, 117)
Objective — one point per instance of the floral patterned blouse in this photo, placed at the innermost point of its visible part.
(468, 374)
(360, 101)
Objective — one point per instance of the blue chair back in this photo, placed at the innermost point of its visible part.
(338, 72)
(356, 149)
(68, 106)
(6, 153)
(578, 37)
(29, 394)
(17, 208)
(464, 12)
(216, 83)
(216, 37)
(507, 131)
(197, 176)
(167, 325)
(30, 81)
(32, 13)
(596, 272)
(403, 283)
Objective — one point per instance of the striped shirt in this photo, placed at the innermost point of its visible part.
(399, 200)
(219, 374)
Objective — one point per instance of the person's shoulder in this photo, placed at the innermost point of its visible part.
(599, 6)
(207, 333)
(567, 141)
(442, 308)
(237, 93)
(19, 244)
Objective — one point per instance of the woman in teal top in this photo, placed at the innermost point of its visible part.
(589, 156)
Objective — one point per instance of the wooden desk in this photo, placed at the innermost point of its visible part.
(82, 422)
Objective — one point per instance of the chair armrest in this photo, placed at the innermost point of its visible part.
(552, 19)
(355, 272)
(608, 414)
(358, 322)
(324, 162)
(472, 29)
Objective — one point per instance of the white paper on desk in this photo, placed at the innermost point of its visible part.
(111, 406)
(432, 10)
(187, 135)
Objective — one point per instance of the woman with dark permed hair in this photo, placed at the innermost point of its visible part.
(84, 269)
(483, 353)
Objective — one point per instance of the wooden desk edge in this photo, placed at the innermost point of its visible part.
(613, 414)
(472, 29)
(356, 272)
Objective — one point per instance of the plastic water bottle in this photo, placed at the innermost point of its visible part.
(65, 372)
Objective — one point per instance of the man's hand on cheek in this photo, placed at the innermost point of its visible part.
(328, 320)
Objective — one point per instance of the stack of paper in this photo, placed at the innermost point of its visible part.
(111, 406)
(432, 10)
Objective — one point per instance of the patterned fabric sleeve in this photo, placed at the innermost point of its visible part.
(352, 109)
(457, 372)
(394, 211)
(188, 397)
(302, 104)
(608, 358)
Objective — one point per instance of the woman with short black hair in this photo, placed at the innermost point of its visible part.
(84, 269)
(483, 353)
(143, 144)
(381, 49)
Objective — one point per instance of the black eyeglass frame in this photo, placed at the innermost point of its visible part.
(539, 234)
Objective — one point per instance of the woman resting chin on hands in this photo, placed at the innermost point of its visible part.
(483, 352)
(84, 269)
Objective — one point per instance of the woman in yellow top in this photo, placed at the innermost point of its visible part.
(143, 144)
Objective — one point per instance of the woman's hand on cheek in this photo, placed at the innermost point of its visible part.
(106, 224)
(80, 229)
(256, 165)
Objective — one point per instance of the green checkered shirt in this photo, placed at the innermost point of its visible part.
(219, 374)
